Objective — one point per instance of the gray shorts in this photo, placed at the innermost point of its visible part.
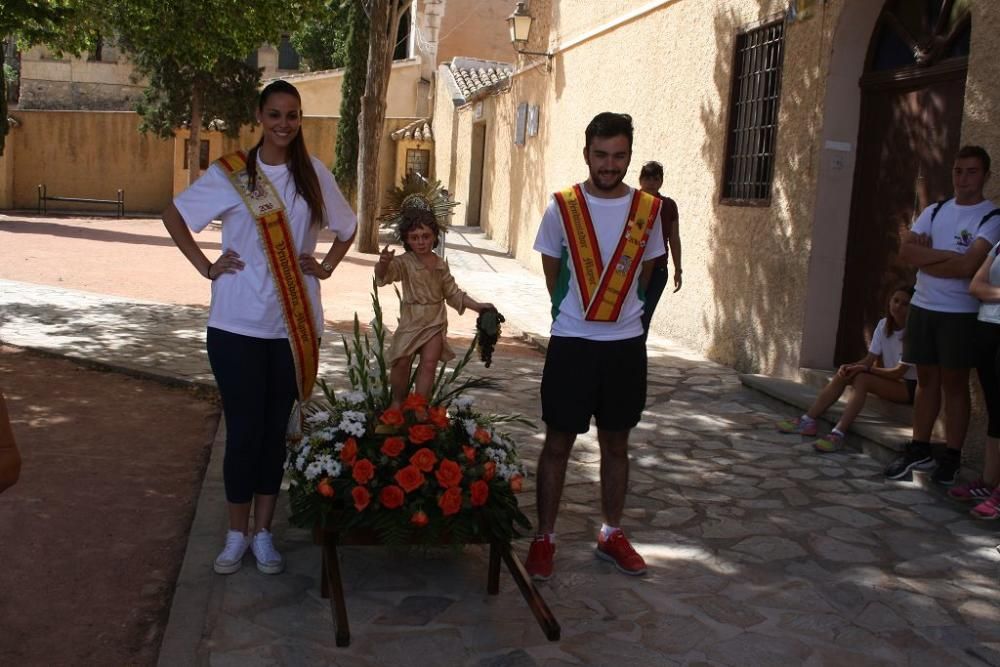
(935, 338)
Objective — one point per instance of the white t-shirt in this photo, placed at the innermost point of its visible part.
(955, 228)
(990, 312)
(890, 348)
(245, 302)
(609, 217)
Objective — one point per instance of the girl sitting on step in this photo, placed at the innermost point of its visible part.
(881, 372)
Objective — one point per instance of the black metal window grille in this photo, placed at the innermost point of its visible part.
(753, 114)
(418, 161)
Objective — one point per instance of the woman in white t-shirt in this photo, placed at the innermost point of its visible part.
(985, 286)
(881, 372)
(247, 339)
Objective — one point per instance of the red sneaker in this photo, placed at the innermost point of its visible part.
(616, 549)
(539, 561)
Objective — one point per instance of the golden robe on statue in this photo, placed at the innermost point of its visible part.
(422, 314)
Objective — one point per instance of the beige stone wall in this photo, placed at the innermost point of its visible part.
(745, 267)
(89, 154)
(477, 29)
(48, 82)
(321, 91)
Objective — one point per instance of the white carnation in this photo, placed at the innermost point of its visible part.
(470, 426)
(318, 417)
(313, 470)
(463, 402)
(353, 416)
(354, 397)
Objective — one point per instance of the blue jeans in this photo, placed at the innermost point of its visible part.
(657, 282)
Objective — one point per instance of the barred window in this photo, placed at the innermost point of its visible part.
(418, 161)
(753, 114)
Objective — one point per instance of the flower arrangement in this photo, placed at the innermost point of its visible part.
(432, 471)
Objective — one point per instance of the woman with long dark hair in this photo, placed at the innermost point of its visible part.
(266, 315)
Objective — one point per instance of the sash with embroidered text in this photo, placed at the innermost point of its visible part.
(603, 289)
(268, 210)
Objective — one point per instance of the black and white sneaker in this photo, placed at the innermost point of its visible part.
(946, 473)
(915, 457)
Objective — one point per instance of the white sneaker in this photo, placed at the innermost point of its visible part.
(231, 558)
(269, 561)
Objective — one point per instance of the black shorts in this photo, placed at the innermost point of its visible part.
(935, 338)
(593, 378)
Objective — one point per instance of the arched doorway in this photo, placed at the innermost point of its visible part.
(912, 94)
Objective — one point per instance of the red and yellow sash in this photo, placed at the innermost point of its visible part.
(268, 210)
(603, 289)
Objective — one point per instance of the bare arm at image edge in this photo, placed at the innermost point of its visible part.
(10, 458)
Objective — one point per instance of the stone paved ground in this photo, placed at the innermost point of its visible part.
(760, 551)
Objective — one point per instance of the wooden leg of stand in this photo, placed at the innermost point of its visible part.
(548, 622)
(493, 578)
(336, 587)
(324, 585)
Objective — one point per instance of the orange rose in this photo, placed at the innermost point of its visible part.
(424, 459)
(421, 433)
(515, 484)
(324, 488)
(419, 519)
(480, 491)
(361, 497)
(450, 501)
(439, 416)
(470, 453)
(392, 417)
(393, 447)
(363, 471)
(415, 402)
(410, 478)
(391, 497)
(489, 470)
(482, 436)
(449, 474)
(349, 452)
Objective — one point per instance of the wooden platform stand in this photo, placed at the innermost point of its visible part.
(332, 585)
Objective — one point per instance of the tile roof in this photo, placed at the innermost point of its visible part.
(419, 129)
(474, 77)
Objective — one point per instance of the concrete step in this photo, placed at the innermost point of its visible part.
(877, 435)
(819, 378)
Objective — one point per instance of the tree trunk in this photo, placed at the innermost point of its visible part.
(194, 142)
(382, 42)
(4, 127)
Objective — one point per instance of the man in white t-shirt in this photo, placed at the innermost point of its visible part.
(947, 244)
(598, 241)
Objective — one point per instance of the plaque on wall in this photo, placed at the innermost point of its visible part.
(521, 123)
(533, 120)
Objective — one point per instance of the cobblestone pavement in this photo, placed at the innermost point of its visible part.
(761, 552)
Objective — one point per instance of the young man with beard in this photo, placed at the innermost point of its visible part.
(599, 241)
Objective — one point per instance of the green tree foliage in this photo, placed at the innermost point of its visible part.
(59, 24)
(193, 54)
(345, 168)
(322, 43)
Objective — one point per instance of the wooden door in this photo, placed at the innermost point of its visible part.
(476, 175)
(910, 127)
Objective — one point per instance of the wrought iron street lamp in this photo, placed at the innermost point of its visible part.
(520, 27)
